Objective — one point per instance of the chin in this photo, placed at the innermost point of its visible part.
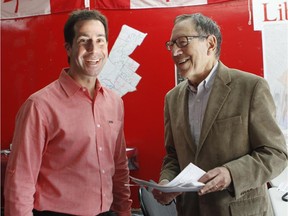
(183, 74)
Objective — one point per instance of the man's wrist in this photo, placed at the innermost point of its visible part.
(172, 201)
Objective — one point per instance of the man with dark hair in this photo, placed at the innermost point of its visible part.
(69, 151)
(223, 121)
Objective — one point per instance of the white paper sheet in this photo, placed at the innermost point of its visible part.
(186, 181)
(119, 72)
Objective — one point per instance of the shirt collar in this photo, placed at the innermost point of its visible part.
(70, 86)
(209, 79)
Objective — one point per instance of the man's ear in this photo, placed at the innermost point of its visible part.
(212, 44)
(68, 48)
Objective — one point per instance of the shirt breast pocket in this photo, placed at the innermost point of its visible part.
(112, 130)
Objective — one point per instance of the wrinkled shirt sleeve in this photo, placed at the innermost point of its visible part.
(24, 161)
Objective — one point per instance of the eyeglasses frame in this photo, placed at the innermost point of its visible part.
(189, 39)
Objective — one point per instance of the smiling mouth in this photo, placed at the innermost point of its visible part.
(93, 61)
(182, 61)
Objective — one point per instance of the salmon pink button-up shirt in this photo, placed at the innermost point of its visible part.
(68, 153)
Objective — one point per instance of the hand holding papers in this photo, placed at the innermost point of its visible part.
(186, 181)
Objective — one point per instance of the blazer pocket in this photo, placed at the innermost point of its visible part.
(229, 122)
(228, 130)
(256, 206)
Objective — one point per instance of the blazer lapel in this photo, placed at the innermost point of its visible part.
(217, 98)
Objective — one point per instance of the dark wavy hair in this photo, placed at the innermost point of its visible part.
(80, 15)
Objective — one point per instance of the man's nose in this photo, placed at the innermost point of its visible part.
(92, 46)
(176, 50)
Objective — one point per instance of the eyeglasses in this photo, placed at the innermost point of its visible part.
(182, 41)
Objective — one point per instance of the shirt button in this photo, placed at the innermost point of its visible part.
(103, 171)
(83, 89)
(100, 148)
(198, 100)
(98, 125)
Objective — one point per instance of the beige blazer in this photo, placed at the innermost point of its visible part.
(238, 131)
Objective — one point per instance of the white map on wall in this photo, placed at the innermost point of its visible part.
(275, 56)
(119, 71)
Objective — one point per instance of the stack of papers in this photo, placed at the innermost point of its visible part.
(186, 181)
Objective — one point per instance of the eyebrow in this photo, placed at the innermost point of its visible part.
(84, 34)
(101, 35)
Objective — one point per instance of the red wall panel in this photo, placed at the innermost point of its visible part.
(32, 55)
